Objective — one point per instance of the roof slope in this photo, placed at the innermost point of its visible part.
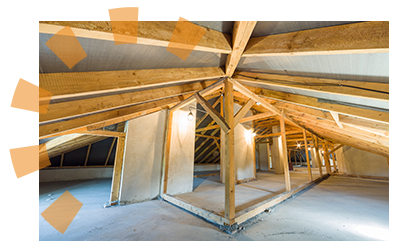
(330, 78)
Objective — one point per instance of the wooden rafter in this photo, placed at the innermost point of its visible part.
(240, 36)
(364, 37)
(76, 108)
(84, 84)
(154, 33)
(313, 102)
(357, 89)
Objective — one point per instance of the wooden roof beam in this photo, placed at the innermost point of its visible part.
(65, 86)
(359, 89)
(363, 37)
(240, 36)
(153, 33)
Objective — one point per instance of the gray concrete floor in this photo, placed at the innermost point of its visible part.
(339, 208)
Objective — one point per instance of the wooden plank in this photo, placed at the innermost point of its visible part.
(240, 36)
(364, 37)
(257, 117)
(109, 151)
(326, 158)
(350, 140)
(242, 112)
(207, 128)
(209, 90)
(315, 103)
(202, 212)
(84, 84)
(229, 154)
(105, 118)
(350, 131)
(76, 108)
(62, 160)
(256, 209)
(75, 167)
(307, 156)
(377, 127)
(269, 135)
(56, 142)
(207, 136)
(245, 91)
(358, 89)
(198, 156)
(213, 113)
(87, 154)
(315, 141)
(335, 116)
(104, 133)
(336, 148)
(154, 33)
(73, 144)
(166, 152)
(206, 114)
(284, 158)
(118, 164)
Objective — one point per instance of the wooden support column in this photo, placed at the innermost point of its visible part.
(326, 158)
(229, 154)
(307, 156)
(62, 160)
(87, 154)
(284, 159)
(109, 151)
(118, 162)
(315, 141)
(167, 147)
(268, 158)
(334, 162)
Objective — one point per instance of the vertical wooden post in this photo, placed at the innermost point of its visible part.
(315, 141)
(326, 158)
(109, 151)
(167, 146)
(229, 159)
(87, 154)
(284, 154)
(307, 156)
(221, 157)
(62, 160)
(268, 157)
(334, 163)
(118, 162)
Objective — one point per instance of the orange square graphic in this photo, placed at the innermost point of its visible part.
(124, 23)
(67, 47)
(184, 38)
(62, 211)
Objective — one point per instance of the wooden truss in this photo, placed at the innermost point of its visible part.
(85, 102)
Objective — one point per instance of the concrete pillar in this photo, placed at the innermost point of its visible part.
(276, 151)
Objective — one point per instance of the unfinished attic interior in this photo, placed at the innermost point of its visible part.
(260, 131)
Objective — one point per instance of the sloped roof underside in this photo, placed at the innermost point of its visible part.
(104, 55)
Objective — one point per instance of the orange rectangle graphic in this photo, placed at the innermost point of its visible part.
(124, 23)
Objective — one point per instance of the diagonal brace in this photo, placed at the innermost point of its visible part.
(213, 113)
